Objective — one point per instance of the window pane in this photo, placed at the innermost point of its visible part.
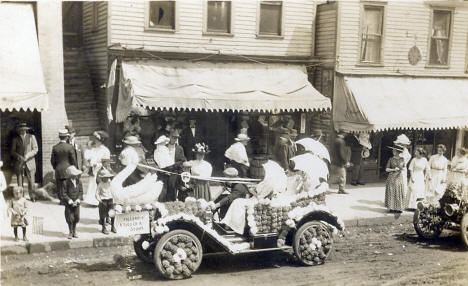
(219, 16)
(370, 50)
(371, 30)
(440, 38)
(372, 21)
(270, 18)
(162, 14)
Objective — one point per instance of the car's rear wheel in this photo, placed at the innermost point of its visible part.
(313, 243)
(178, 254)
(144, 249)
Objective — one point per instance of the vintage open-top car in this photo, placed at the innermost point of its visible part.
(176, 235)
(450, 212)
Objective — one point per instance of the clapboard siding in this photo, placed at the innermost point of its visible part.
(406, 24)
(127, 28)
(325, 31)
(95, 42)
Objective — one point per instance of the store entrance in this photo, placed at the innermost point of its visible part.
(9, 120)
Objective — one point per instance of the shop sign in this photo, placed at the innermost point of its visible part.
(132, 223)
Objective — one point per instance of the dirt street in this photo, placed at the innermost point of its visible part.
(389, 255)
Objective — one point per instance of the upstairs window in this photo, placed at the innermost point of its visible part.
(271, 14)
(371, 34)
(161, 15)
(440, 37)
(218, 19)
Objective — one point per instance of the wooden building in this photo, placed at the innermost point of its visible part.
(395, 67)
(183, 34)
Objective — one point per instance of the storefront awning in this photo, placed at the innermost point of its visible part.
(216, 86)
(21, 78)
(380, 103)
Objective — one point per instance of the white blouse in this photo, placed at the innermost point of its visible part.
(201, 168)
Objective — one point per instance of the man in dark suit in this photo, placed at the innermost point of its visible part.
(23, 150)
(341, 157)
(237, 191)
(63, 156)
(79, 150)
(283, 149)
(190, 136)
(177, 154)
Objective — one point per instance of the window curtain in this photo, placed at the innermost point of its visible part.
(371, 36)
(441, 33)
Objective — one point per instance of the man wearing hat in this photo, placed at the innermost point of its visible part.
(292, 144)
(237, 154)
(341, 160)
(283, 150)
(79, 150)
(177, 156)
(237, 190)
(189, 136)
(129, 155)
(63, 155)
(23, 150)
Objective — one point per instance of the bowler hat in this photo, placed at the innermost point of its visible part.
(231, 172)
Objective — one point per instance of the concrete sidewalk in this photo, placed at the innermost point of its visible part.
(362, 206)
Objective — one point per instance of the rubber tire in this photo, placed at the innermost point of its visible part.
(144, 255)
(297, 236)
(464, 229)
(420, 232)
(160, 245)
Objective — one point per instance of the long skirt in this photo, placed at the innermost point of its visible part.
(235, 217)
(201, 190)
(435, 187)
(90, 198)
(394, 192)
(416, 190)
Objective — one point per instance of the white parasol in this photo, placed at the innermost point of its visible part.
(312, 165)
(315, 147)
(275, 180)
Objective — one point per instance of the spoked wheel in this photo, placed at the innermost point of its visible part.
(178, 254)
(313, 243)
(464, 229)
(146, 255)
(427, 224)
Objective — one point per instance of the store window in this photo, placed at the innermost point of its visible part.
(371, 34)
(162, 15)
(440, 37)
(218, 17)
(270, 22)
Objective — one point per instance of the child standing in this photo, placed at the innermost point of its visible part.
(106, 202)
(73, 191)
(18, 210)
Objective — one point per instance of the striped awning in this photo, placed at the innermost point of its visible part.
(382, 103)
(21, 77)
(216, 87)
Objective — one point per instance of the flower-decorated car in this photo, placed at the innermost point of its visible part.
(450, 212)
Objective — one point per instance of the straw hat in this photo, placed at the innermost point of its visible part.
(23, 125)
(231, 172)
(396, 148)
(402, 139)
(242, 137)
(73, 171)
(131, 140)
(70, 129)
(161, 140)
(63, 132)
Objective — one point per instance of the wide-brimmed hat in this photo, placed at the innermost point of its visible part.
(161, 140)
(201, 148)
(23, 125)
(174, 133)
(131, 140)
(73, 171)
(399, 149)
(100, 135)
(242, 137)
(104, 173)
(63, 132)
(402, 139)
(70, 129)
(231, 172)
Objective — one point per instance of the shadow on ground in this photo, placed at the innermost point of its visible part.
(451, 242)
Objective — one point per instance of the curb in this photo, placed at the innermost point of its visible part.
(40, 247)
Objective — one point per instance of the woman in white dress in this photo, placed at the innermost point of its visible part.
(94, 157)
(438, 164)
(419, 169)
(458, 167)
(201, 168)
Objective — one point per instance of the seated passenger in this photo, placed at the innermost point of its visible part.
(238, 190)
